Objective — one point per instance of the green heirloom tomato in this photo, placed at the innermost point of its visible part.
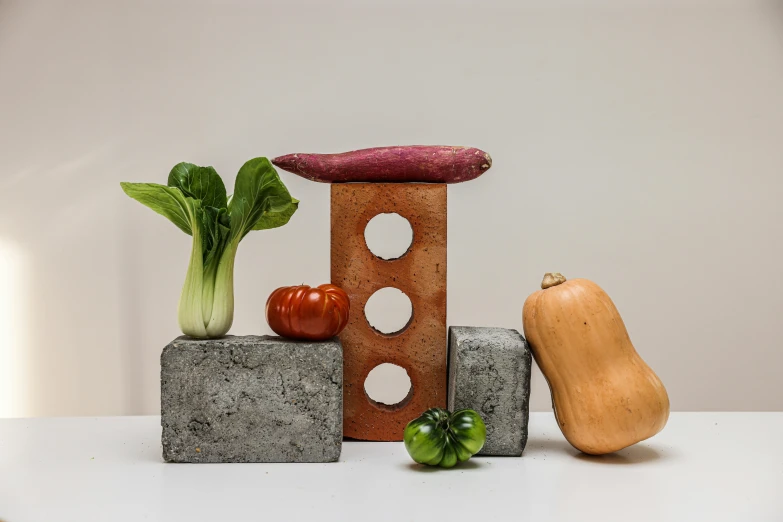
(440, 438)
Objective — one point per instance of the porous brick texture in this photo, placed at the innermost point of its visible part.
(489, 372)
(251, 399)
(420, 347)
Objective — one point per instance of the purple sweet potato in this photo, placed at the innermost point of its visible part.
(412, 164)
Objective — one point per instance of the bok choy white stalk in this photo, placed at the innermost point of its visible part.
(195, 200)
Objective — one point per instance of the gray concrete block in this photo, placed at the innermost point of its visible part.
(489, 372)
(251, 399)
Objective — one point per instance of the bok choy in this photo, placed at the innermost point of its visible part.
(195, 200)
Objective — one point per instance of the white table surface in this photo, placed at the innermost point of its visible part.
(702, 467)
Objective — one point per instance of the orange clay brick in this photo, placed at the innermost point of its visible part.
(420, 347)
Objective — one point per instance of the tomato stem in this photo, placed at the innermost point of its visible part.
(443, 419)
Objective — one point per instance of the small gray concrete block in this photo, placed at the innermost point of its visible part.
(251, 399)
(489, 372)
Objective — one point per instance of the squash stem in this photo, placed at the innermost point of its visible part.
(552, 279)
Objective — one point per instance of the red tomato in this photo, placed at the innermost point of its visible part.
(301, 312)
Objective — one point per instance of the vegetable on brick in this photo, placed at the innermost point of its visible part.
(401, 164)
(195, 200)
(305, 313)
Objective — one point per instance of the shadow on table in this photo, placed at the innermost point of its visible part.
(421, 468)
(634, 455)
(543, 447)
(637, 454)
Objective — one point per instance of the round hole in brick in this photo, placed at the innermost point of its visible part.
(388, 236)
(388, 386)
(389, 311)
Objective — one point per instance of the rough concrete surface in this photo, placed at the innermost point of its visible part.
(489, 372)
(251, 399)
(420, 347)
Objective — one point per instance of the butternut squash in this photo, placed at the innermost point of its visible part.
(604, 395)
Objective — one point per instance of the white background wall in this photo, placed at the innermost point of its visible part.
(636, 143)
